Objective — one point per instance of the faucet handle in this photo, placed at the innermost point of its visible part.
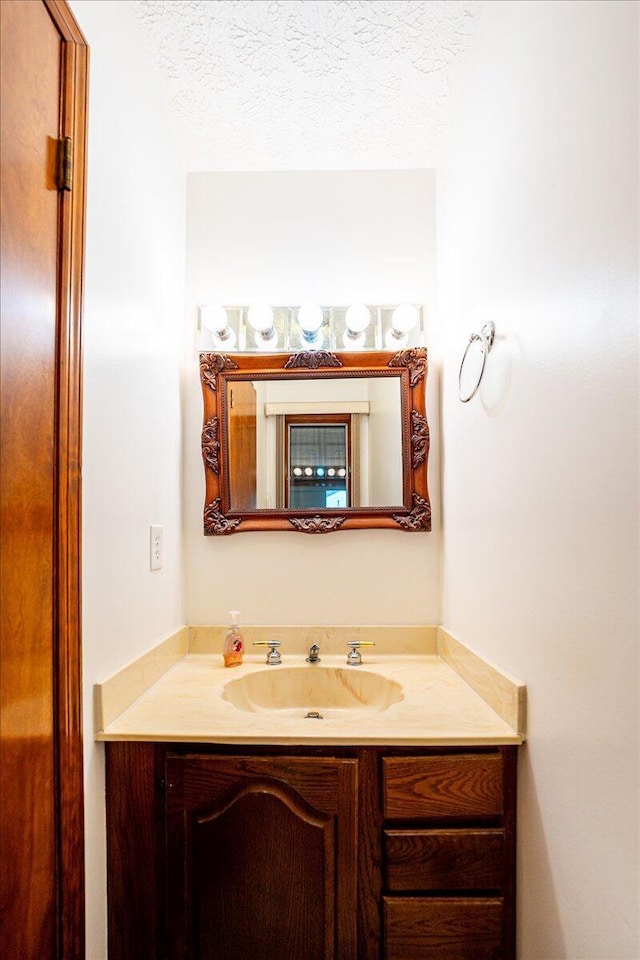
(274, 656)
(354, 657)
(314, 654)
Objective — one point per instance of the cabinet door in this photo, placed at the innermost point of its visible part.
(261, 858)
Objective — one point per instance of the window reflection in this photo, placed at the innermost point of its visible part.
(318, 462)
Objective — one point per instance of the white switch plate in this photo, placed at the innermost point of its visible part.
(155, 543)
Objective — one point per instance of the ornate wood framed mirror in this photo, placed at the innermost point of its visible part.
(315, 441)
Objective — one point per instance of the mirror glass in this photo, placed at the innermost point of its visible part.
(314, 444)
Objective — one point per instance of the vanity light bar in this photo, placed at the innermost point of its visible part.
(309, 326)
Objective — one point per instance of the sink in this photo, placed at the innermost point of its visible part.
(317, 692)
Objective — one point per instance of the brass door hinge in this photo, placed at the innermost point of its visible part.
(65, 163)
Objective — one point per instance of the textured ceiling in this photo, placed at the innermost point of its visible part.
(308, 84)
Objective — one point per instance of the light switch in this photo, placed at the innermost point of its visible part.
(156, 546)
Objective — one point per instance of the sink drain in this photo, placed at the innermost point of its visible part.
(313, 715)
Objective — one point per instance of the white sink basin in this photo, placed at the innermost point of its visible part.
(297, 691)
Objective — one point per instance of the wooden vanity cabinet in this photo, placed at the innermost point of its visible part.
(321, 853)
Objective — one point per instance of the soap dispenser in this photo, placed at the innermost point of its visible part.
(233, 649)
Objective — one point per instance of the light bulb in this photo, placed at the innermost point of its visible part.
(297, 471)
(214, 317)
(319, 471)
(331, 472)
(308, 472)
(260, 316)
(342, 472)
(404, 318)
(357, 318)
(310, 317)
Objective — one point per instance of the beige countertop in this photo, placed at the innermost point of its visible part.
(438, 706)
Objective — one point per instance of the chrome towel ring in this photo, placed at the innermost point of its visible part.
(485, 338)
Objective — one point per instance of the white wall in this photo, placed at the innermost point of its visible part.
(285, 238)
(538, 231)
(133, 313)
(385, 442)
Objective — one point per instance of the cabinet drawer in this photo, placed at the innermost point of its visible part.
(465, 785)
(437, 929)
(444, 859)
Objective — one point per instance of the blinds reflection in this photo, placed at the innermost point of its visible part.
(311, 445)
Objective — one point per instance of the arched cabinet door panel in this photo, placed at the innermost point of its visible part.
(261, 858)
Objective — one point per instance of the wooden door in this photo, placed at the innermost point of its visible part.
(43, 91)
(242, 445)
(325, 451)
(261, 858)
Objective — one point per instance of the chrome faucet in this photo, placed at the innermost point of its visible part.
(314, 654)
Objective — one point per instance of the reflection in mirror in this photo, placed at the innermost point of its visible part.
(316, 444)
(318, 462)
(315, 441)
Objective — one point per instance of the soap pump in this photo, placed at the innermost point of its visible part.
(233, 649)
